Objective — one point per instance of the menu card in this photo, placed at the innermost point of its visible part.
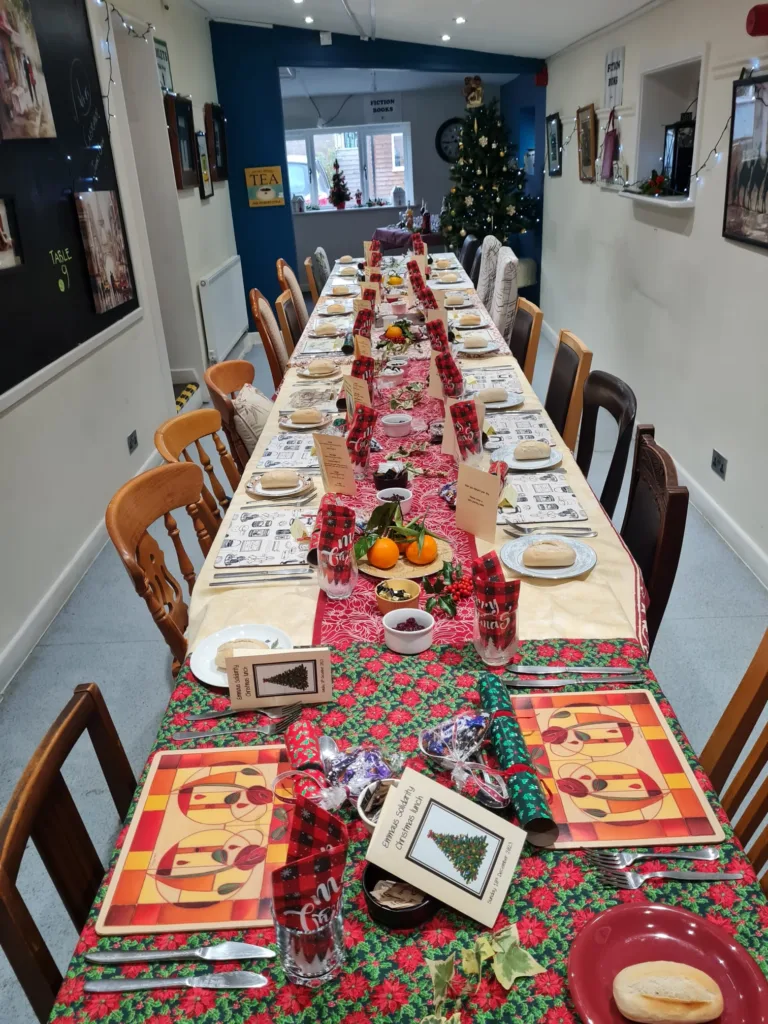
(362, 346)
(477, 499)
(335, 464)
(435, 386)
(266, 680)
(356, 393)
(360, 304)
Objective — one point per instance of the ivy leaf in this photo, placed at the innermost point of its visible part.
(441, 972)
(227, 888)
(280, 813)
(502, 940)
(514, 962)
(470, 963)
(483, 948)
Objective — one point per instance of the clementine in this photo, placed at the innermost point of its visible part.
(384, 553)
(428, 551)
(393, 333)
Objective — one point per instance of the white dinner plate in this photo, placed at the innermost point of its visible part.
(304, 373)
(286, 424)
(203, 660)
(456, 326)
(347, 291)
(512, 556)
(529, 465)
(461, 305)
(254, 488)
(513, 398)
(488, 349)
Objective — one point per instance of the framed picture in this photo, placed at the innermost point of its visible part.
(181, 135)
(745, 218)
(216, 134)
(586, 125)
(163, 65)
(106, 251)
(10, 250)
(25, 108)
(206, 182)
(554, 146)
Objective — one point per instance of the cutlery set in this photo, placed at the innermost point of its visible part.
(610, 865)
(578, 532)
(549, 677)
(275, 728)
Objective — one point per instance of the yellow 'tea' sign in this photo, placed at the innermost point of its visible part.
(265, 186)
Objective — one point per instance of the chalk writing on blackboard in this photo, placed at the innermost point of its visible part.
(60, 258)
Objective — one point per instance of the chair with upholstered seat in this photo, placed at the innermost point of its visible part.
(525, 334)
(468, 252)
(269, 332)
(477, 262)
(176, 436)
(565, 393)
(489, 258)
(604, 391)
(41, 810)
(503, 303)
(288, 321)
(321, 268)
(289, 283)
(654, 524)
(223, 381)
(314, 291)
(136, 506)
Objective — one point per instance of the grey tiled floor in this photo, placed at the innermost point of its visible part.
(714, 621)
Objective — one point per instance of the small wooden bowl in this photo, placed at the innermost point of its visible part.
(409, 586)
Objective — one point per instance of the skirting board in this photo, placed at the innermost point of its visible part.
(19, 648)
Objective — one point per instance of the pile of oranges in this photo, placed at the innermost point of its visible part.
(385, 552)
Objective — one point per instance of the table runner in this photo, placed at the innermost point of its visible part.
(387, 698)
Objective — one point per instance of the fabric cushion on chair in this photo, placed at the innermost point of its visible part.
(252, 409)
(487, 282)
(321, 267)
(504, 300)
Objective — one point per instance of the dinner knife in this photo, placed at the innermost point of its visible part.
(211, 734)
(221, 951)
(272, 573)
(228, 979)
(559, 670)
(551, 683)
(253, 581)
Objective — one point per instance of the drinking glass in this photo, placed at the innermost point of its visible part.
(337, 573)
(494, 641)
(312, 957)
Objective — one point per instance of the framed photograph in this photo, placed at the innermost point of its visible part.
(163, 65)
(216, 134)
(206, 182)
(105, 249)
(554, 146)
(10, 249)
(745, 218)
(181, 135)
(586, 127)
(25, 108)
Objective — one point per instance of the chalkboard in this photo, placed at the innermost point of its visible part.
(54, 145)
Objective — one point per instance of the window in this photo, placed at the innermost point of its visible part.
(374, 158)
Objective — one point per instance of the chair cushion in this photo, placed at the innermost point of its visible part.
(504, 299)
(252, 409)
(487, 282)
(321, 267)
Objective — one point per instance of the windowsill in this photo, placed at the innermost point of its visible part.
(355, 209)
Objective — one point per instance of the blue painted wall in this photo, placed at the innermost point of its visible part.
(524, 106)
(246, 61)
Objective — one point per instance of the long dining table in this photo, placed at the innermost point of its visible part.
(386, 698)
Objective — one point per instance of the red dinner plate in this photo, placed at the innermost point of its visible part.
(634, 933)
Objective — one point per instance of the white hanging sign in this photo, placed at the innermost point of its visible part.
(380, 108)
(614, 78)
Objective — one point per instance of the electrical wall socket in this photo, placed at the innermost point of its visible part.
(719, 463)
(133, 442)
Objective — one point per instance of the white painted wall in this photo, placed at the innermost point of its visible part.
(64, 450)
(662, 299)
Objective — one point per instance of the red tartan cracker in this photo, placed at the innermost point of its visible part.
(437, 336)
(364, 368)
(450, 375)
(363, 323)
(466, 426)
(360, 434)
(496, 601)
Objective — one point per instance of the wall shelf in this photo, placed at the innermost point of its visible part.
(660, 202)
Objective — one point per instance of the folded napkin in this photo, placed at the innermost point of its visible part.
(375, 245)
(327, 506)
(414, 273)
(369, 295)
(427, 298)
(363, 323)
(466, 426)
(364, 368)
(450, 375)
(374, 277)
(337, 535)
(438, 338)
(374, 258)
(360, 434)
(417, 244)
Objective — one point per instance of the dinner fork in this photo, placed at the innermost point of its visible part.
(633, 879)
(275, 728)
(204, 716)
(529, 531)
(623, 858)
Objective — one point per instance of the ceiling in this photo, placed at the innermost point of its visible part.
(526, 28)
(341, 81)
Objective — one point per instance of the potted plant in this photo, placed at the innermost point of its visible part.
(339, 192)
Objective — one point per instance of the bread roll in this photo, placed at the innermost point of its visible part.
(454, 299)
(348, 271)
(279, 478)
(326, 330)
(244, 646)
(335, 307)
(449, 278)
(549, 554)
(307, 416)
(492, 395)
(341, 289)
(443, 264)
(347, 259)
(475, 341)
(320, 367)
(531, 450)
(662, 992)
(469, 319)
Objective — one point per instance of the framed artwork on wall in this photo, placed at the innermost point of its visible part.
(181, 135)
(106, 251)
(206, 182)
(10, 249)
(25, 106)
(216, 136)
(554, 146)
(163, 65)
(586, 125)
(744, 218)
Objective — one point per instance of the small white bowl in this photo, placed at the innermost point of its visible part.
(388, 378)
(408, 643)
(393, 494)
(370, 824)
(400, 307)
(397, 424)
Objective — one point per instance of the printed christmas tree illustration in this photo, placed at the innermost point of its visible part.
(466, 853)
(296, 678)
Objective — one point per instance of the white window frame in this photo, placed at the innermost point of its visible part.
(364, 131)
(395, 166)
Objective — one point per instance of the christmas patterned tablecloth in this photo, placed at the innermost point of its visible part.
(387, 699)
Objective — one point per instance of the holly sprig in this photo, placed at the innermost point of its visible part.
(446, 588)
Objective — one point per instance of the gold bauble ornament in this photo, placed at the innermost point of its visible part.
(462, 232)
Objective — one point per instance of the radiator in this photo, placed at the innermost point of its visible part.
(222, 301)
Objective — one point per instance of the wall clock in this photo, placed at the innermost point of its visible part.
(447, 139)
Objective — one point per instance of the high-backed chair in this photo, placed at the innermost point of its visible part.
(269, 332)
(604, 391)
(314, 291)
(223, 381)
(468, 252)
(487, 282)
(504, 299)
(41, 808)
(173, 439)
(654, 523)
(477, 262)
(135, 507)
(288, 321)
(525, 334)
(289, 283)
(729, 740)
(565, 393)
(321, 268)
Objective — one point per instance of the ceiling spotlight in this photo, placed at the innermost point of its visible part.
(446, 38)
(309, 19)
(298, 1)
(460, 20)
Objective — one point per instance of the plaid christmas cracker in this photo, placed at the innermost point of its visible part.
(302, 743)
(466, 425)
(363, 323)
(495, 602)
(360, 434)
(438, 338)
(450, 375)
(364, 368)
(307, 889)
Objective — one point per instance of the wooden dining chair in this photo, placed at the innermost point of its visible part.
(288, 321)
(289, 283)
(604, 391)
(477, 263)
(729, 740)
(654, 523)
(41, 809)
(223, 381)
(309, 271)
(136, 506)
(468, 252)
(271, 338)
(524, 339)
(176, 436)
(565, 393)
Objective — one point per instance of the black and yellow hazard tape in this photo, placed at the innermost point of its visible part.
(184, 396)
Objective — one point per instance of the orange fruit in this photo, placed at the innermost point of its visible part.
(402, 545)
(384, 553)
(428, 551)
(393, 333)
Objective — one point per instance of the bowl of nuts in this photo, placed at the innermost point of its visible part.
(408, 630)
(396, 594)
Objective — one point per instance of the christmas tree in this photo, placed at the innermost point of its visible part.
(339, 192)
(487, 194)
(296, 678)
(466, 853)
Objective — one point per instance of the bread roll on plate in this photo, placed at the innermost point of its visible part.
(243, 646)
(449, 278)
(475, 341)
(549, 554)
(276, 479)
(320, 367)
(469, 319)
(443, 264)
(348, 272)
(335, 307)
(303, 416)
(326, 330)
(454, 299)
(340, 289)
(664, 992)
(531, 450)
(489, 395)
(347, 259)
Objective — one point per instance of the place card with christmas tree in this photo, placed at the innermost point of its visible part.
(272, 678)
(447, 846)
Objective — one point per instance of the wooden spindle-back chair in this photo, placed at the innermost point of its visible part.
(289, 322)
(290, 283)
(223, 381)
(309, 270)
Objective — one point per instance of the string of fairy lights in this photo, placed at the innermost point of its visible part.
(111, 9)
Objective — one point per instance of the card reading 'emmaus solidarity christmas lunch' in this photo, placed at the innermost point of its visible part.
(447, 846)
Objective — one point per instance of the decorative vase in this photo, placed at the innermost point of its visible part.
(340, 206)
